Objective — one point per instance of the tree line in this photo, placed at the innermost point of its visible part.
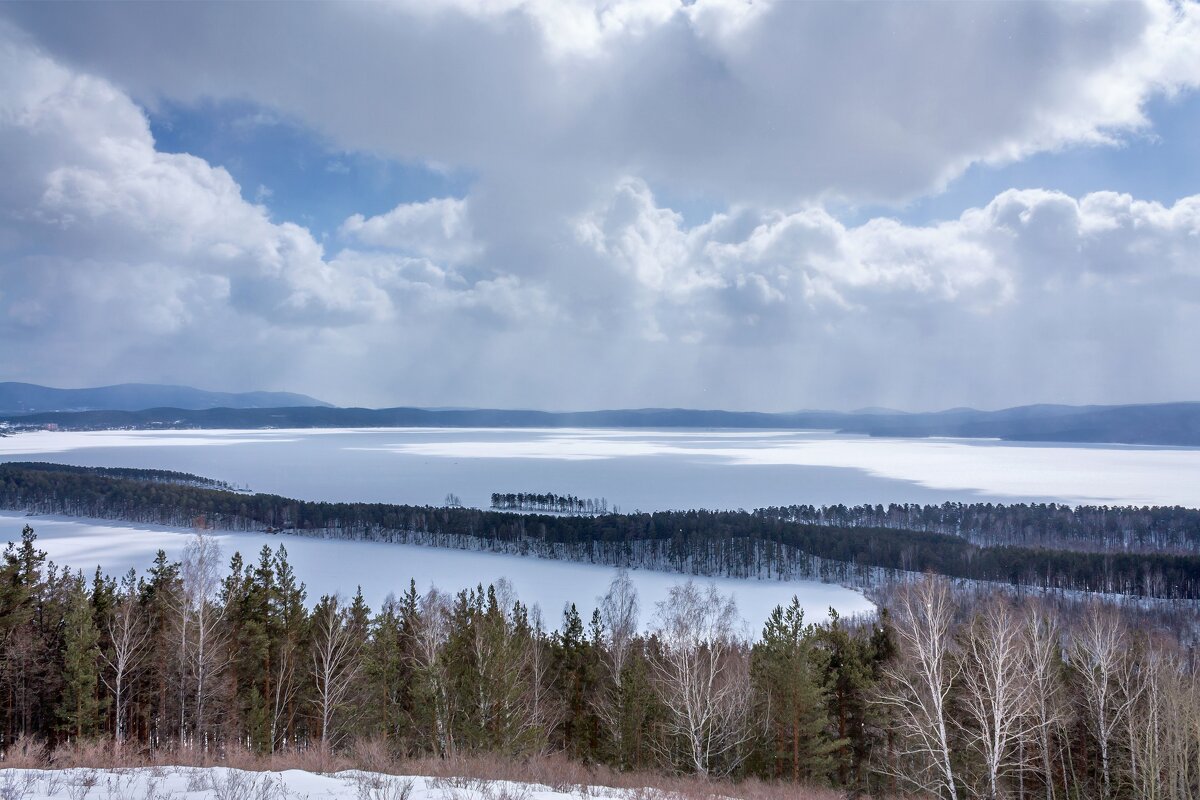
(765, 543)
(996, 698)
(557, 503)
(1085, 527)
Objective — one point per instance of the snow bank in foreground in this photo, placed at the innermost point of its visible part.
(221, 783)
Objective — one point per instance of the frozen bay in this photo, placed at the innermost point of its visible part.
(331, 566)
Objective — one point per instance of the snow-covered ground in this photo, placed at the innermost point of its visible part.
(645, 469)
(221, 783)
(330, 566)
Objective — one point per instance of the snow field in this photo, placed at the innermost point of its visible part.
(223, 783)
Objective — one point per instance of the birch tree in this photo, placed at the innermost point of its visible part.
(201, 635)
(1150, 684)
(918, 686)
(1097, 649)
(619, 609)
(1044, 656)
(431, 631)
(128, 637)
(996, 692)
(335, 664)
(288, 611)
(702, 676)
(619, 612)
(544, 712)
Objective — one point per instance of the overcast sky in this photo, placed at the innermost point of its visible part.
(577, 205)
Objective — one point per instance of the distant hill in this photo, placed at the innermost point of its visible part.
(1156, 424)
(29, 398)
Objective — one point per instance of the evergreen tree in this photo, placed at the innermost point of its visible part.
(156, 703)
(78, 710)
(289, 640)
(388, 674)
(577, 670)
(787, 671)
(848, 680)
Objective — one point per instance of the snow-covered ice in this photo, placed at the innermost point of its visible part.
(329, 566)
(637, 469)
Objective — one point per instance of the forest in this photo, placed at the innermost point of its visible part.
(851, 546)
(987, 696)
(1174, 424)
(1094, 528)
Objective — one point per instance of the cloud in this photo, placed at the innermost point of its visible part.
(439, 229)
(111, 248)
(1037, 292)
(563, 278)
(767, 102)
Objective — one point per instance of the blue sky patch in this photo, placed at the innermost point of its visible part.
(295, 173)
(1161, 163)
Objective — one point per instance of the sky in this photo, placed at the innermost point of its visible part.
(564, 204)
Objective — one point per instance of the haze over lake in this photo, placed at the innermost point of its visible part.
(637, 469)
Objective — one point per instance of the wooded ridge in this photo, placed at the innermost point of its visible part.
(837, 543)
(1148, 424)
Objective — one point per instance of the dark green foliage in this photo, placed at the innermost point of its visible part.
(788, 669)
(79, 707)
(864, 545)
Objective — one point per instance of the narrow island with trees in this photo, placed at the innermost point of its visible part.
(549, 502)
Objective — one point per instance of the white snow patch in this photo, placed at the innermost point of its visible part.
(223, 783)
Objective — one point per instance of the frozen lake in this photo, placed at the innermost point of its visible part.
(638, 469)
(329, 566)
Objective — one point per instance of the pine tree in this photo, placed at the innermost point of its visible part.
(577, 670)
(289, 638)
(787, 672)
(78, 710)
(387, 675)
(157, 708)
(245, 595)
(849, 675)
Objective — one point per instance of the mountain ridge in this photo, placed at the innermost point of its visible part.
(29, 398)
(1169, 424)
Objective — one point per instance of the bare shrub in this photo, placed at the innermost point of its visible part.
(119, 786)
(54, 782)
(215, 783)
(197, 779)
(641, 793)
(16, 785)
(25, 753)
(373, 786)
(558, 773)
(154, 792)
(235, 756)
(312, 759)
(81, 783)
(233, 784)
(372, 755)
(508, 790)
(461, 786)
(86, 754)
